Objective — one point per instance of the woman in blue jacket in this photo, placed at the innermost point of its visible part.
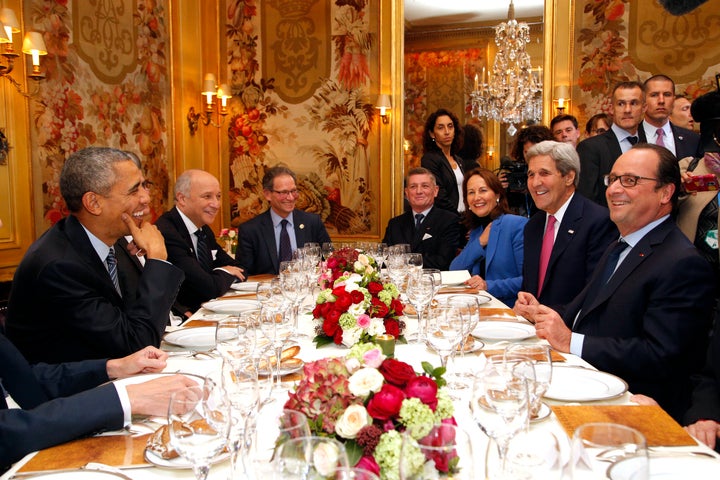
(494, 252)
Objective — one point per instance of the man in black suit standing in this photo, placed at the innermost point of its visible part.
(429, 230)
(565, 239)
(191, 245)
(67, 301)
(598, 153)
(659, 98)
(272, 236)
(645, 314)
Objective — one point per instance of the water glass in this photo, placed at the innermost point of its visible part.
(609, 450)
(539, 355)
(445, 452)
(310, 457)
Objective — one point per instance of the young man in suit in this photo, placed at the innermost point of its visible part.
(272, 236)
(429, 230)
(645, 314)
(59, 403)
(67, 300)
(660, 97)
(598, 153)
(565, 239)
(191, 245)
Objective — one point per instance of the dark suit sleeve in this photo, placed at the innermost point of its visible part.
(588, 184)
(706, 394)
(58, 421)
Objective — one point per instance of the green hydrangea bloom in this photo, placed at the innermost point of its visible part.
(392, 289)
(359, 349)
(417, 417)
(325, 296)
(445, 408)
(390, 451)
(347, 321)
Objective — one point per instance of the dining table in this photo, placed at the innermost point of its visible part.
(597, 396)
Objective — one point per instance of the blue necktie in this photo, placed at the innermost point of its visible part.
(111, 262)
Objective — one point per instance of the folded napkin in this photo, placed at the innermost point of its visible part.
(455, 277)
(653, 422)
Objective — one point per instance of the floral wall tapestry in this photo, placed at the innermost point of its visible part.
(301, 74)
(618, 40)
(436, 79)
(106, 85)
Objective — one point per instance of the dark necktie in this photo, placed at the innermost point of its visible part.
(632, 139)
(660, 135)
(111, 262)
(203, 253)
(418, 220)
(546, 250)
(285, 253)
(608, 270)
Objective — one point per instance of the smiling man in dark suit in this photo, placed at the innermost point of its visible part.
(191, 245)
(67, 301)
(428, 230)
(272, 236)
(598, 153)
(645, 314)
(564, 241)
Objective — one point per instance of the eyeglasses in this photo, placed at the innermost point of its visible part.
(627, 181)
(286, 193)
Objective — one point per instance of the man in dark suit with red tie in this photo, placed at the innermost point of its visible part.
(648, 323)
(565, 239)
(598, 153)
(191, 245)
(428, 229)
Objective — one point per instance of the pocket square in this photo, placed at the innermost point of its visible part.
(214, 254)
(426, 236)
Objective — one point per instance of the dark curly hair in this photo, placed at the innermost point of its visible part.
(429, 144)
(534, 134)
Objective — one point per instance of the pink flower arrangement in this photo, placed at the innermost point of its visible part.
(355, 306)
(367, 401)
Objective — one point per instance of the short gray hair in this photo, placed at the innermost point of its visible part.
(184, 182)
(563, 154)
(422, 171)
(272, 172)
(90, 170)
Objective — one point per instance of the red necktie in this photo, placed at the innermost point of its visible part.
(546, 250)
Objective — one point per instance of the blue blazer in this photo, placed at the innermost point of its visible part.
(503, 257)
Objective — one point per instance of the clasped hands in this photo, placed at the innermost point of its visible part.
(549, 325)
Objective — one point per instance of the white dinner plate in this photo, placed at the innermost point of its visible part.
(456, 277)
(194, 337)
(543, 413)
(232, 306)
(578, 384)
(666, 468)
(79, 474)
(244, 286)
(179, 463)
(496, 331)
(481, 298)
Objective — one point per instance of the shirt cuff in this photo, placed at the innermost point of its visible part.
(124, 403)
(576, 344)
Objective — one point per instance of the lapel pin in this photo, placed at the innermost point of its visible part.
(302, 225)
(680, 137)
(571, 232)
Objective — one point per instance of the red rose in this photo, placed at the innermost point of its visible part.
(368, 463)
(423, 388)
(330, 327)
(374, 288)
(396, 372)
(397, 306)
(386, 403)
(333, 315)
(343, 302)
(392, 327)
(357, 296)
(379, 309)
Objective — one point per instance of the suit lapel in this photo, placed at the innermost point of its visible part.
(491, 248)
(268, 233)
(566, 232)
(299, 226)
(613, 145)
(177, 221)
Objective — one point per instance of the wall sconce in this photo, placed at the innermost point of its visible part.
(210, 90)
(33, 45)
(383, 104)
(490, 154)
(561, 98)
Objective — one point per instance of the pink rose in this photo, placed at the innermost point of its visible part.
(386, 403)
(367, 463)
(373, 358)
(423, 388)
(363, 320)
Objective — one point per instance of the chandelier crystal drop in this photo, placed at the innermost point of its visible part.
(512, 92)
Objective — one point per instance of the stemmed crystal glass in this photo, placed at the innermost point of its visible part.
(240, 382)
(469, 307)
(419, 292)
(294, 286)
(595, 446)
(231, 339)
(446, 450)
(500, 402)
(445, 327)
(539, 355)
(198, 424)
(414, 262)
(277, 329)
(327, 249)
(437, 278)
(310, 457)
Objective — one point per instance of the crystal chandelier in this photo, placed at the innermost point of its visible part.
(512, 92)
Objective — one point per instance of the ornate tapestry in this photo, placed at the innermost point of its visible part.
(106, 85)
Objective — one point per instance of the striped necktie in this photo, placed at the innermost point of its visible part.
(111, 263)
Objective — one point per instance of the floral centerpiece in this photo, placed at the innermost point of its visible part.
(355, 305)
(229, 237)
(367, 401)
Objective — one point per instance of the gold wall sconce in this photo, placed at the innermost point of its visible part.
(210, 90)
(561, 99)
(384, 105)
(33, 45)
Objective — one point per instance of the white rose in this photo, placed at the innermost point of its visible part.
(363, 260)
(364, 381)
(377, 327)
(357, 309)
(352, 420)
(351, 336)
(325, 458)
(352, 364)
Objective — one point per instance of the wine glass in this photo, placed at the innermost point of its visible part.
(277, 329)
(539, 355)
(354, 473)
(469, 307)
(500, 403)
(239, 379)
(531, 455)
(231, 338)
(444, 330)
(327, 249)
(198, 424)
(293, 285)
(419, 292)
(446, 451)
(437, 277)
(414, 261)
(310, 457)
(597, 446)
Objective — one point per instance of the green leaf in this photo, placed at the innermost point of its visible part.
(322, 340)
(354, 452)
(427, 368)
